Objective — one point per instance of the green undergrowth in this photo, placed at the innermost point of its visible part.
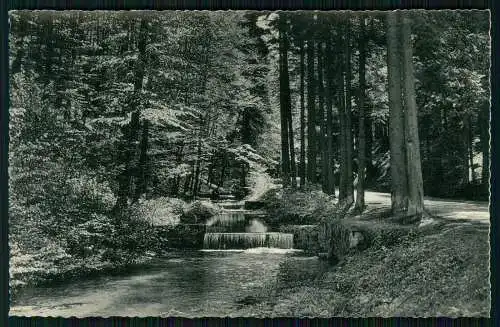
(400, 269)
(296, 207)
(84, 245)
(101, 243)
(438, 270)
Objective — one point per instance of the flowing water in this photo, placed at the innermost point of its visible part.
(208, 282)
(247, 240)
(239, 229)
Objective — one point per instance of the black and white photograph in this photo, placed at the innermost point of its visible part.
(249, 163)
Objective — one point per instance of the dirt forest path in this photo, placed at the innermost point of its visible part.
(445, 208)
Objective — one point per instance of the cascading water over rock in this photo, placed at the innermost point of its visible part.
(247, 240)
(226, 222)
(237, 229)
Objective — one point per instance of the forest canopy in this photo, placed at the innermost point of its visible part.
(111, 109)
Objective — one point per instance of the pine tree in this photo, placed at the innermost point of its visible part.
(414, 169)
(360, 195)
(311, 113)
(284, 105)
(399, 182)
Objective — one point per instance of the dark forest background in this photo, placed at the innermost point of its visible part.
(110, 110)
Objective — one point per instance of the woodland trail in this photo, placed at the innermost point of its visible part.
(444, 208)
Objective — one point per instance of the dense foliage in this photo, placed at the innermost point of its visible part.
(451, 70)
(111, 109)
(113, 114)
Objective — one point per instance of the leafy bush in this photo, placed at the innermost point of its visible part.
(160, 211)
(69, 229)
(199, 212)
(287, 207)
(90, 237)
(32, 268)
(76, 199)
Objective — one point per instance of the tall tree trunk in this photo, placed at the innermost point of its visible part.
(125, 179)
(293, 166)
(187, 184)
(223, 170)
(321, 117)
(204, 129)
(200, 180)
(211, 170)
(342, 135)
(283, 76)
(311, 114)
(178, 161)
(360, 195)
(244, 172)
(302, 165)
(143, 171)
(413, 161)
(329, 120)
(288, 109)
(465, 148)
(369, 128)
(369, 136)
(197, 169)
(348, 121)
(399, 195)
(192, 178)
(470, 144)
(174, 191)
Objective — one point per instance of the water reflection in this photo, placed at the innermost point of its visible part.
(296, 271)
(256, 226)
(184, 284)
(189, 283)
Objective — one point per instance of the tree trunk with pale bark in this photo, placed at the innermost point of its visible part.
(414, 166)
(360, 188)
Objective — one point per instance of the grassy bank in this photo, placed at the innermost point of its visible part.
(39, 268)
(435, 269)
(440, 271)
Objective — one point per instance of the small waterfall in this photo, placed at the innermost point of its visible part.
(231, 205)
(239, 229)
(226, 222)
(280, 240)
(226, 219)
(247, 240)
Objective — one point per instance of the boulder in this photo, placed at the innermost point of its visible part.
(356, 238)
(198, 212)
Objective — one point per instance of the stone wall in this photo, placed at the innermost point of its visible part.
(333, 239)
(305, 237)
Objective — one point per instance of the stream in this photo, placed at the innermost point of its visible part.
(242, 267)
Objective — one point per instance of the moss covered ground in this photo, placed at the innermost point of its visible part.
(440, 268)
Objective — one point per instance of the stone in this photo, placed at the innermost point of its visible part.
(355, 239)
(198, 212)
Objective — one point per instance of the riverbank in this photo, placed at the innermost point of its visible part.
(436, 268)
(442, 271)
(107, 245)
(180, 283)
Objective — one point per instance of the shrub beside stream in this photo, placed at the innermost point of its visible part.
(102, 242)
